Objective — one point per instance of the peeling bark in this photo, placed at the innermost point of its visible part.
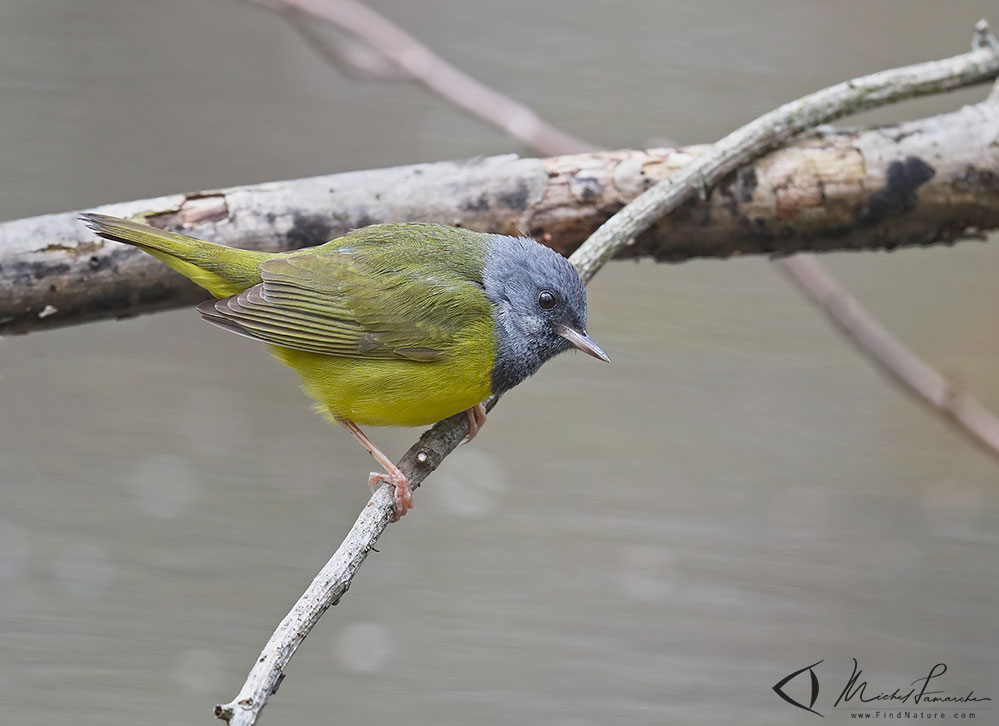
(919, 183)
(924, 182)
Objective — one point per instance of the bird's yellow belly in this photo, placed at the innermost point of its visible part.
(393, 392)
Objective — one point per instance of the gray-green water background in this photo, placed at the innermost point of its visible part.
(657, 541)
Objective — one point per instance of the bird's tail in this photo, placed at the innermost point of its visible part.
(221, 270)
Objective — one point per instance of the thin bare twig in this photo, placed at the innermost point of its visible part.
(438, 75)
(353, 57)
(735, 150)
(334, 579)
(969, 416)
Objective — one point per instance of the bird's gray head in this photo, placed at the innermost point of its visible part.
(539, 308)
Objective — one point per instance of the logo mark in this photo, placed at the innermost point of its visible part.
(779, 689)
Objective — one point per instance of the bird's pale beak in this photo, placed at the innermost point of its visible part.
(584, 343)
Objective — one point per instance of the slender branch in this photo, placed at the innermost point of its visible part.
(334, 579)
(968, 416)
(733, 151)
(357, 59)
(438, 75)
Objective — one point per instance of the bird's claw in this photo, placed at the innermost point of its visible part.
(476, 420)
(403, 492)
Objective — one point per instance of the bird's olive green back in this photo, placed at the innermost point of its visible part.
(389, 291)
(392, 291)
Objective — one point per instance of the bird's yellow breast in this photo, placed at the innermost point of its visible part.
(399, 392)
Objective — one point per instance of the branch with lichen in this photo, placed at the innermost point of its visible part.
(711, 167)
(830, 190)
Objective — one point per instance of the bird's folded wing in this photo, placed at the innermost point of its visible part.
(344, 305)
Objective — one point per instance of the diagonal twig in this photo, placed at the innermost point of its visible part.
(894, 358)
(733, 151)
(425, 66)
(355, 58)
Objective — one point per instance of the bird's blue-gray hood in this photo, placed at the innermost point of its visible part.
(517, 269)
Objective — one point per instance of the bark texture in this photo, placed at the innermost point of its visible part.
(930, 181)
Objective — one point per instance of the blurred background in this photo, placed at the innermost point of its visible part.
(659, 541)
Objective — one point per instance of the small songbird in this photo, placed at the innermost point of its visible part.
(392, 324)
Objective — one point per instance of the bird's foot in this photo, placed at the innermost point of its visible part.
(403, 492)
(476, 420)
(391, 475)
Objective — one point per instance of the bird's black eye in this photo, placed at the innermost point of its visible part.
(547, 299)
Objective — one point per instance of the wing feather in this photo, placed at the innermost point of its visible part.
(347, 302)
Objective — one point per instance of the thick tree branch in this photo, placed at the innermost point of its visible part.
(832, 190)
(707, 169)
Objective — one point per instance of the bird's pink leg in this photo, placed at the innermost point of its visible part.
(476, 420)
(392, 475)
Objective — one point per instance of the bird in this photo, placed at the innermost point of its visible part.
(397, 324)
